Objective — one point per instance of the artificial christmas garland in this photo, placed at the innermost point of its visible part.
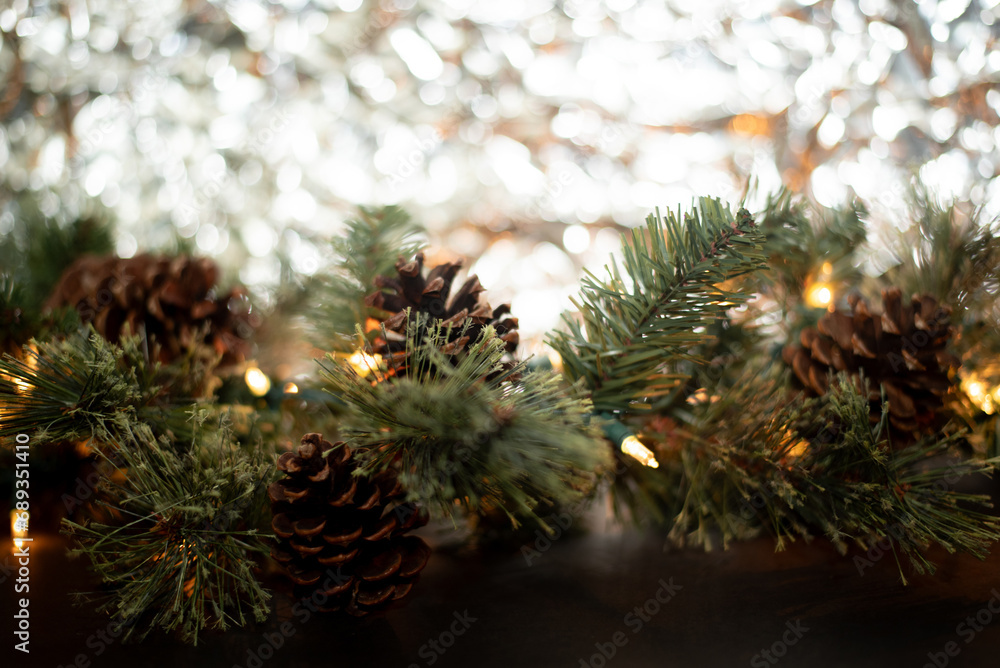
(441, 420)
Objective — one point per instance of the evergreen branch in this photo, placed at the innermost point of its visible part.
(800, 467)
(370, 248)
(953, 254)
(633, 327)
(176, 537)
(84, 387)
(39, 248)
(949, 252)
(801, 237)
(465, 433)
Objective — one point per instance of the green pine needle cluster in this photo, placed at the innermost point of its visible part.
(372, 244)
(82, 387)
(470, 435)
(673, 285)
(756, 460)
(33, 256)
(800, 237)
(173, 533)
(950, 252)
(176, 536)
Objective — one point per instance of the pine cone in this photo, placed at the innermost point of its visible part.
(343, 535)
(902, 349)
(427, 299)
(171, 301)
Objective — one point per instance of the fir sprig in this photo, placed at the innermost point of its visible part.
(176, 537)
(819, 467)
(370, 247)
(801, 238)
(39, 248)
(84, 387)
(469, 433)
(633, 326)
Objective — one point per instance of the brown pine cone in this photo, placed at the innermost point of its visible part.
(903, 350)
(427, 299)
(171, 301)
(342, 538)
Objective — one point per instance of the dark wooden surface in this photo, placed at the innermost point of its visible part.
(730, 606)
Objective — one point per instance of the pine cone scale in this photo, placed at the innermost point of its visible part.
(901, 350)
(172, 302)
(326, 517)
(409, 301)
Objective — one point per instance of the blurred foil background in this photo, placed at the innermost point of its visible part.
(524, 135)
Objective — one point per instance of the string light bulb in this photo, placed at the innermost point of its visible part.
(363, 363)
(981, 395)
(819, 295)
(634, 448)
(257, 381)
(627, 442)
(19, 527)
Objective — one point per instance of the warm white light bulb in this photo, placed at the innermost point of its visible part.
(364, 363)
(634, 448)
(819, 295)
(257, 381)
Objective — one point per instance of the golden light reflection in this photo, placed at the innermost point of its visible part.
(363, 363)
(819, 295)
(257, 381)
(797, 450)
(555, 359)
(981, 395)
(19, 527)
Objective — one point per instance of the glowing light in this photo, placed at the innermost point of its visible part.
(19, 527)
(291, 388)
(798, 449)
(257, 381)
(31, 358)
(634, 448)
(819, 295)
(419, 56)
(364, 363)
(555, 359)
(748, 124)
(981, 395)
(576, 238)
(701, 396)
